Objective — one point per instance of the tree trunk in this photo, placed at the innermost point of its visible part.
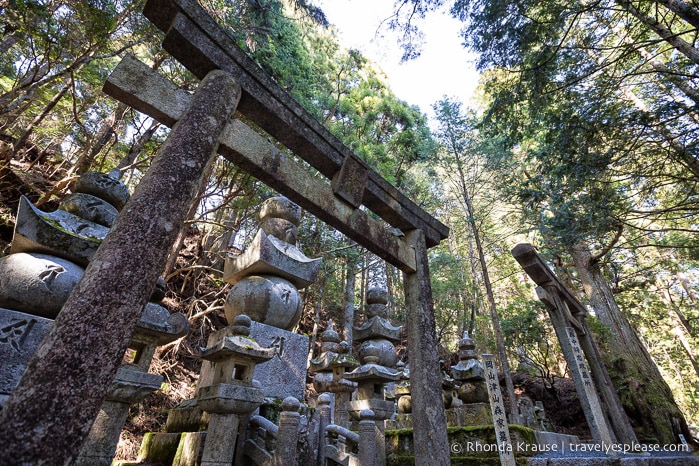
(680, 327)
(7, 42)
(348, 296)
(50, 412)
(19, 143)
(661, 30)
(644, 393)
(136, 148)
(684, 10)
(106, 132)
(500, 341)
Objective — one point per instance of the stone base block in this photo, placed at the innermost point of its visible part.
(556, 442)
(474, 414)
(159, 448)
(186, 417)
(285, 374)
(20, 335)
(190, 449)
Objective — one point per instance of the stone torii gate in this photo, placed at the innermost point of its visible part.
(604, 413)
(194, 39)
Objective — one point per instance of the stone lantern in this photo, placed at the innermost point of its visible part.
(330, 368)
(229, 392)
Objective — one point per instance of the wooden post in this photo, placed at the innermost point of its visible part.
(49, 414)
(431, 445)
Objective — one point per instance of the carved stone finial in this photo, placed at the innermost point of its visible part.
(279, 217)
(290, 404)
(377, 301)
(467, 348)
(366, 414)
(241, 325)
(330, 338)
(325, 399)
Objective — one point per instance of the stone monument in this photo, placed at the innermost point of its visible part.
(377, 355)
(266, 278)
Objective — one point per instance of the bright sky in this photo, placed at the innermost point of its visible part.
(444, 68)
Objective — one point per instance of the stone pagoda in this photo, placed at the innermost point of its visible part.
(330, 368)
(377, 355)
(473, 392)
(266, 278)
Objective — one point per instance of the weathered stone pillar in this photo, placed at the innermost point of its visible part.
(429, 420)
(287, 438)
(325, 411)
(579, 372)
(368, 438)
(50, 413)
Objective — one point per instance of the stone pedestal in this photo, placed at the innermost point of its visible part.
(285, 374)
(20, 334)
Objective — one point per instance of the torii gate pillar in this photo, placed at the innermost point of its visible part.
(604, 413)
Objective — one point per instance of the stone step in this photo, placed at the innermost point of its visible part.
(176, 449)
(635, 460)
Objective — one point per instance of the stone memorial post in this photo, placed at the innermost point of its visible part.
(369, 438)
(497, 406)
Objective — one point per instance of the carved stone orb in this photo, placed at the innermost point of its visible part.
(473, 392)
(386, 351)
(405, 405)
(38, 284)
(266, 299)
